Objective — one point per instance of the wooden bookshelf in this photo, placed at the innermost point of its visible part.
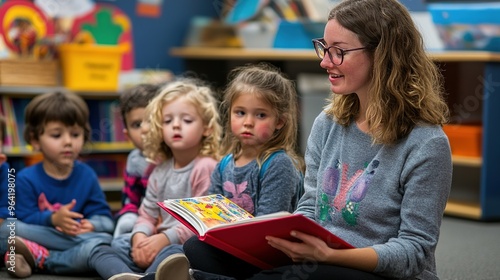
(22, 155)
(30, 91)
(310, 55)
(111, 184)
(468, 161)
(465, 210)
(246, 54)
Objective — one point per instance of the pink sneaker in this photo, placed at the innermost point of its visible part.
(28, 256)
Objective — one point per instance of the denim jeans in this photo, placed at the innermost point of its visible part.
(67, 254)
(122, 246)
(107, 263)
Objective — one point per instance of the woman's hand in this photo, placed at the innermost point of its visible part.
(314, 249)
(311, 248)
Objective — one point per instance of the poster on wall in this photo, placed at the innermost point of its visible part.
(25, 29)
(35, 29)
(65, 9)
(106, 25)
(149, 8)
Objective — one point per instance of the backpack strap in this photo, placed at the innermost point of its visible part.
(225, 160)
(266, 163)
(300, 187)
(223, 163)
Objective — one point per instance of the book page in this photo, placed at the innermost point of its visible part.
(208, 211)
(266, 217)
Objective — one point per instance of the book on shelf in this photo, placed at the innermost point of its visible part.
(221, 223)
(244, 10)
(286, 9)
(104, 118)
(299, 8)
(106, 165)
(106, 121)
(317, 10)
(13, 111)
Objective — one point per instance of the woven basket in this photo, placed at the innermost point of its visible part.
(29, 72)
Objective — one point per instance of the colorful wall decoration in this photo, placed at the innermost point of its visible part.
(22, 26)
(149, 8)
(152, 35)
(28, 31)
(106, 25)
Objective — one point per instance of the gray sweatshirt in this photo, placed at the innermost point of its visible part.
(273, 192)
(390, 198)
(166, 182)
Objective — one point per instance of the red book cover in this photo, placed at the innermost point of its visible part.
(245, 238)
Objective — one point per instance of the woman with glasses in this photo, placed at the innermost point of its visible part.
(378, 164)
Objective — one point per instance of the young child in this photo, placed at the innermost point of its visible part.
(378, 164)
(261, 108)
(59, 203)
(185, 136)
(4, 184)
(4, 176)
(260, 105)
(133, 102)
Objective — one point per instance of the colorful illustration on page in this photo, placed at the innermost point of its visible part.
(215, 210)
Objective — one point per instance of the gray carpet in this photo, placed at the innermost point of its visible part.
(468, 250)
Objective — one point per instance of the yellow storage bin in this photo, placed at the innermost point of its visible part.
(91, 67)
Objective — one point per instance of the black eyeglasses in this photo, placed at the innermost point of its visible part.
(338, 58)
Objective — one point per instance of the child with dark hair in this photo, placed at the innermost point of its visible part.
(133, 103)
(62, 214)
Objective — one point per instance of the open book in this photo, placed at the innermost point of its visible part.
(221, 223)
